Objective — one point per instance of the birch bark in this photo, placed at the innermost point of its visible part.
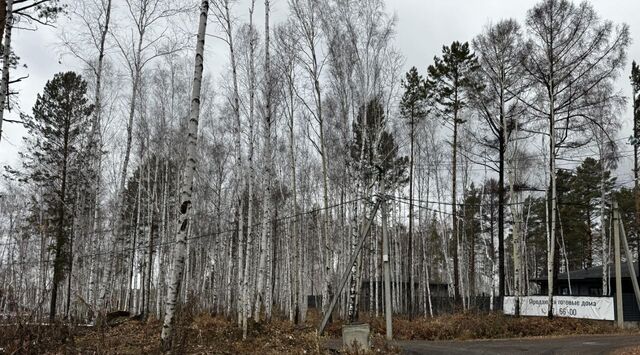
(267, 205)
(6, 56)
(187, 184)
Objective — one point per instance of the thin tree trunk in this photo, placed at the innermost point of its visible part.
(552, 206)
(152, 201)
(603, 234)
(386, 269)
(295, 235)
(267, 205)
(246, 299)
(3, 16)
(6, 60)
(58, 271)
(187, 184)
(133, 245)
(454, 217)
(411, 268)
(355, 268)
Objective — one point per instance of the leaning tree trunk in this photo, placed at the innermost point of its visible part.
(187, 184)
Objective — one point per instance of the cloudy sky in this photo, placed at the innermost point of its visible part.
(423, 26)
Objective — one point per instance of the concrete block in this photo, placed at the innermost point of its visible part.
(358, 333)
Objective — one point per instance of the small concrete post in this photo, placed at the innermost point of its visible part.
(356, 337)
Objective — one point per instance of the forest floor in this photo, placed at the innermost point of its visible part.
(205, 334)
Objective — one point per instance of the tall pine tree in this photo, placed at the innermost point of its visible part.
(54, 160)
(450, 83)
(413, 109)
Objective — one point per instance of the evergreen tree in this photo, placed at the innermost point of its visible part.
(471, 229)
(412, 109)
(375, 149)
(54, 159)
(450, 83)
(579, 202)
(626, 204)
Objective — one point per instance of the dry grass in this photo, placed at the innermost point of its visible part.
(634, 350)
(24, 338)
(465, 326)
(205, 334)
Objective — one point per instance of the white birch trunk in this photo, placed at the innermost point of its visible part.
(267, 205)
(6, 54)
(187, 183)
(246, 299)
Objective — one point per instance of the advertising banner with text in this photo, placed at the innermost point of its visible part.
(600, 308)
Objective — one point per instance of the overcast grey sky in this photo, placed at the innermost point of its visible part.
(423, 26)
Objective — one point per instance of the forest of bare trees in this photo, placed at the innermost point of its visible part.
(148, 182)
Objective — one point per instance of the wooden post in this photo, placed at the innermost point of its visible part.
(345, 277)
(632, 271)
(616, 251)
(386, 270)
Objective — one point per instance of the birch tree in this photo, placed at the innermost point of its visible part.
(267, 202)
(251, 37)
(572, 53)
(187, 184)
(222, 13)
(88, 13)
(287, 48)
(305, 16)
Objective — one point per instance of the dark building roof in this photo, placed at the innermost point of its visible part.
(592, 273)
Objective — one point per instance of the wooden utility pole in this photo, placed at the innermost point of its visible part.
(386, 269)
(616, 251)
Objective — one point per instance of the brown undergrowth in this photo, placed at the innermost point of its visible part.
(466, 326)
(206, 334)
(633, 350)
(33, 338)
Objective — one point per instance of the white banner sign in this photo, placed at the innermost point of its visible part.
(600, 308)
